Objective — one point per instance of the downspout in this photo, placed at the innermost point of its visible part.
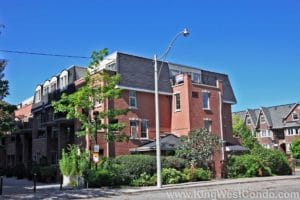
(221, 125)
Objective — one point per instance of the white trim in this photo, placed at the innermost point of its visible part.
(221, 125)
(142, 90)
(208, 99)
(203, 85)
(147, 131)
(229, 102)
(296, 114)
(132, 97)
(175, 105)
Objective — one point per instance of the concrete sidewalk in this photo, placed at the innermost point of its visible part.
(131, 190)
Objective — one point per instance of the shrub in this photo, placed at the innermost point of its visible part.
(174, 162)
(98, 178)
(134, 165)
(48, 173)
(247, 166)
(68, 163)
(197, 174)
(295, 148)
(145, 180)
(198, 147)
(274, 159)
(172, 176)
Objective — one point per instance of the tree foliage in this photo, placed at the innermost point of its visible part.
(241, 130)
(99, 87)
(6, 109)
(198, 147)
(295, 148)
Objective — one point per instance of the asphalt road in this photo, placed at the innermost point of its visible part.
(286, 189)
(275, 189)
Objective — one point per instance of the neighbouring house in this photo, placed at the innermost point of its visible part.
(274, 127)
(189, 98)
(18, 143)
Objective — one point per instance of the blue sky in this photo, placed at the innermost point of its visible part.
(255, 42)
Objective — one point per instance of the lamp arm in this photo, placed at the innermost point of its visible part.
(164, 55)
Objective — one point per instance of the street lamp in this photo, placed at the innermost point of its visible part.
(185, 33)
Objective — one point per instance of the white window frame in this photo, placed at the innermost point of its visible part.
(46, 88)
(132, 96)
(249, 121)
(176, 97)
(293, 116)
(133, 129)
(198, 80)
(292, 131)
(204, 100)
(265, 133)
(63, 80)
(210, 124)
(38, 94)
(53, 82)
(147, 128)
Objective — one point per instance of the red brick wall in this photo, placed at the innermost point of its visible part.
(145, 110)
(227, 123)
(290, 117)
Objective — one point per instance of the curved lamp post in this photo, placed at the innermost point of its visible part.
(185, 33)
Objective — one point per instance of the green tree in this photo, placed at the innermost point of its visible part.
(295, 148)
(241, 130)
(99, 87)
(6, 109)
(198, 147)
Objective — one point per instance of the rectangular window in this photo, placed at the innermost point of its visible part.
(196, 77)
(46, 91)
(195, 94)
(177, 101)
(207, 125)
(248, 121)
(61, 82)
(265, 133)
(38, 96)
(133, 129)
(66, 80)
(206, 105)
(144, 129)
(295, 116)
(290, 131)
(53, 87)
(132, 99)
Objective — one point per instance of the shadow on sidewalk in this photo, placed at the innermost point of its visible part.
(23, 189)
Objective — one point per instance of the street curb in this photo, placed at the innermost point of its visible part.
(207, 184)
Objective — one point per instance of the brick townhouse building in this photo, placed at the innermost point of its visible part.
(17, 145)
(51, 132)
(189, 98)
(274, 127)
